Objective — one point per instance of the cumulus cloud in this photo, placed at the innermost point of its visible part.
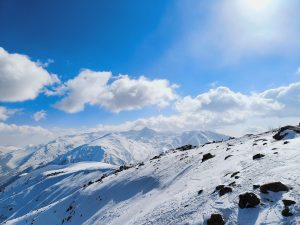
(12, 134)
(39, 115)
(222, 109)
(20, 78)
(115, 94)
(222, 99)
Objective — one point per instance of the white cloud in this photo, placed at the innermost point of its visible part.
(222, 99)
(5, 113)
(298, 71)
(45, 64)
(12, 134)
(39, 115)
(224, 110)
(288, 96)
(115, 94)
(20, 78)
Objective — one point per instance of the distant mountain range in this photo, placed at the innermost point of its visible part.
(115, 148)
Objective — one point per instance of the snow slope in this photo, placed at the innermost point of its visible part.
(173, 188)
(115, 148)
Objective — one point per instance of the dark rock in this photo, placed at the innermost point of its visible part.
(280, 134)
(54, 174)
(186, 147)
(273, 148)
(286, 212)
(200, 192)
(248, 200)
(275, 187)
(286, 142)
(215, 219)
(236, 177)
(264, 143)
(227, 157)
(155, 157)
(255, 186)
(287, 202)
(207, 156)
(219, 187)
(258, 156)
(225, 190)
(232, 184)
(235, 173)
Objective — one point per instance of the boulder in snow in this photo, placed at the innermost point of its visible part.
(274, 187)
(215, 219)
(248, 200)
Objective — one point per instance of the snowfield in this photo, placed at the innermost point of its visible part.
(175, 187)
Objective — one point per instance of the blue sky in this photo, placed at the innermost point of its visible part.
(245, 46)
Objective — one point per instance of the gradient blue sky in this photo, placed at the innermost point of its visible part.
(198, 45)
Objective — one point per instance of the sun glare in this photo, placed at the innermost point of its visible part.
(259, 5)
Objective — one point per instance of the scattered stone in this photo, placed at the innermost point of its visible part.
(227, 157)
(207, 156)
(235, 173)
(186, 147)
(273, 148)
(264, 143)
(155, 157)
(275, 153)
(215, 219)
(54, 174)
(254, 144)
(258, 156)
(287, 202)
(286, 212)
(232, 184)
(225, 190)
(255, 186)
(248, 200)
(200, 192)
(236, 177)
(219, 187)
(274, 187)
(286, 142)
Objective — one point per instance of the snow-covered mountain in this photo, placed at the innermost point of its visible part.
(251, 180)
(114, 148)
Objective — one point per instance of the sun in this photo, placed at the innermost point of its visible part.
(257, 11)
(259, 6)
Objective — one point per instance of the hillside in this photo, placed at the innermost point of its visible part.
(183, 186)
(114, 148)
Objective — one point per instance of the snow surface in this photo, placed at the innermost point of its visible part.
(115, 148)
(162, 190)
